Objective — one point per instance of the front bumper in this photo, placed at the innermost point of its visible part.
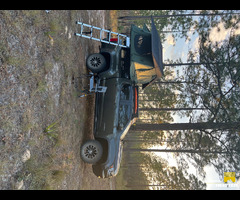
(102, 173)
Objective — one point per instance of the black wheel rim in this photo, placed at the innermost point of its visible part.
(95, 61)
(90, 152)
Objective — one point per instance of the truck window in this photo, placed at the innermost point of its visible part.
(124, 114)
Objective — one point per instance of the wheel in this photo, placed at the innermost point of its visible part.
(91, 151)
(96, 62)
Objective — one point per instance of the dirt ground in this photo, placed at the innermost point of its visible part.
(43, 122)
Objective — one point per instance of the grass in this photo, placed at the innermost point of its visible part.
(51, 131)
(41, 87)
(49, 171)
(45, 175)
(55, 130)
(120, 181)
(32, 43)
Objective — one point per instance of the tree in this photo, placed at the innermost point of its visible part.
(157, 96)
(169, 177)
(182, 21)
(169, 109)
(187, 126)
(214, 83)
(177, 151)
(211, 82)
(173, 15)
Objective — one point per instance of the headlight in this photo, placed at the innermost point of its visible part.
(111, 167)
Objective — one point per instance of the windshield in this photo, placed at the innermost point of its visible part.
(124, 114)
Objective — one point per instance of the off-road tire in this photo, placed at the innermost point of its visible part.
(91, 151)
(96, 62)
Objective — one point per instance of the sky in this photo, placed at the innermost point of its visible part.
(212, 179)
(179, 49)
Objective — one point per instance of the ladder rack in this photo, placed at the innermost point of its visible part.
(90, 35)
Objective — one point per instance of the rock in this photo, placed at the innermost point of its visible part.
(26, 156)
(19, 185)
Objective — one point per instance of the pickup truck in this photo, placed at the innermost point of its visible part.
(115, 110)
(120, 71)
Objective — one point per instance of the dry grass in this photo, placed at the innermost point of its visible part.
(39, 109)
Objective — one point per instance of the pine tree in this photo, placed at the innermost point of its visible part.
(187, 126)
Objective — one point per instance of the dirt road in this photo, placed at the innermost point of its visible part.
(42, 120)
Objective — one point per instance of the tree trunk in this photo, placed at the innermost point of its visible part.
(176, 82)
(133, 185)
(186, 126)
(183, 64)
(176, 151)
(169, 109)
(177, 15)
(191, 64)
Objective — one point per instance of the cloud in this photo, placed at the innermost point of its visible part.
(171, 40)
(219, 33)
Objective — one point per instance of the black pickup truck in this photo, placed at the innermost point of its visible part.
(115, 110)
(121, 70)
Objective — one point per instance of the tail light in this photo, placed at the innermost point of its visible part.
(136, 101)
(113, 40)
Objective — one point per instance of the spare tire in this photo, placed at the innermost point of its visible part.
(96, 62)
(91, 151)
